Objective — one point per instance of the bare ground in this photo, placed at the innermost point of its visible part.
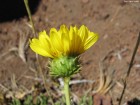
(117, 23)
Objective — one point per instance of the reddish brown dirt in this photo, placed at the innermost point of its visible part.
(117, 23)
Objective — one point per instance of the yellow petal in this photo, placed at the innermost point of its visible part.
(44, 39)
(36, 46)
(63, 29)
(91, 40)
(56, 41)
(65, 41)
(75, 41)
(83, 33)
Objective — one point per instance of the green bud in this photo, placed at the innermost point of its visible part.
(64, 66)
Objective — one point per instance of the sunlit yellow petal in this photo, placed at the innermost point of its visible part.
(83, 33)
(65, 41)
(65, 38)
(91, 40)
(36, 46)
(75, 29)
(55, 38)
(63, 29)
(44, 39)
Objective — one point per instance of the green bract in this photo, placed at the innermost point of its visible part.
(64, 66)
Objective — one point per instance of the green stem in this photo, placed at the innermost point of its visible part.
(66, 90)
(30, 16)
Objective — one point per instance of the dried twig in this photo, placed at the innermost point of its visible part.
(129, 68)
(72, 82)
(127, 91)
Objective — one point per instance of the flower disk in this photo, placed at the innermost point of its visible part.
(64, 42)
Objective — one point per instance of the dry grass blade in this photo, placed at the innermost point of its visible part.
(33, 78)
(13, 82)
(21, 48)
(108, 83)
(105, 83)
(30, 16)
(22, 45)
(13, 49)
(16, 91)
(102, 79)
(4, 89)
(80, 81)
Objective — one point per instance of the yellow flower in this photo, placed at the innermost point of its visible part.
(67, 42)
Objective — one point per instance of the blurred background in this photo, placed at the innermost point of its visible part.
(116, 21)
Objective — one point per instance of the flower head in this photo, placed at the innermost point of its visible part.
(64, 42)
